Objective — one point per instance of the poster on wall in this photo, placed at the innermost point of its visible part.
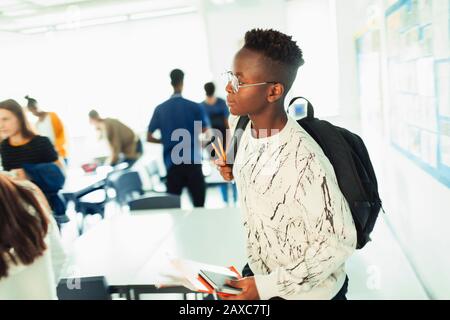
(418, 42)
(369, 77)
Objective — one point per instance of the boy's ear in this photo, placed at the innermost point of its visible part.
(276, 92)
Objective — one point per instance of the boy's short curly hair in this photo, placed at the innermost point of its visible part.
(275, 45)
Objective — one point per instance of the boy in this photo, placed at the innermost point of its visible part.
(299, 227)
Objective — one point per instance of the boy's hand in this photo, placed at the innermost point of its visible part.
(226, 171)
(248, 286)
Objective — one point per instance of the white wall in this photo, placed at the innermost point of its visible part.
(350, 16)
(416, 204)
(419, 207)
(317, 79)
(312, 23)
(226, 26)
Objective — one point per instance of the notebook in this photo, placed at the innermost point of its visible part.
(218, 282)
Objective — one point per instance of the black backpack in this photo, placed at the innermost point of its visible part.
(352, 166)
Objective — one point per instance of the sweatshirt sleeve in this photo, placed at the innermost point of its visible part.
(329, 227)
(53, 238)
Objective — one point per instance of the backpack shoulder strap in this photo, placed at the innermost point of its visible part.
(236, 139)
(243, 122)
(309, 107)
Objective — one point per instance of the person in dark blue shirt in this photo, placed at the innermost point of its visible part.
(181, 122)
(217, 111)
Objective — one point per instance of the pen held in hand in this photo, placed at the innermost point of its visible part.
(218, 152)
(224, 155)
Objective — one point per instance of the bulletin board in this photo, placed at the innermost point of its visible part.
(368, 52)
(418, 57)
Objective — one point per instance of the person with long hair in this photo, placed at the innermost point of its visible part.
(31, 254)
(20, 144)
(30, 156)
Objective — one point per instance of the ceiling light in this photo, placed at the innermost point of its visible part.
(162, 13)
(9, 3)
(92, 22)
(35, 30)
(49, 3)
(16, 13)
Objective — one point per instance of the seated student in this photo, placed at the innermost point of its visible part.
(300, 231)
(122, 140)
(49, 125)
(31, 254)
(24, 151)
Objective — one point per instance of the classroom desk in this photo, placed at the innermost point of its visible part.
(213, 237)
(129, 250)
(78, 182)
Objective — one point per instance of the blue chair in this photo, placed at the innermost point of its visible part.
(92, 200)
(127, 185)
(130, 192)
(154, 175)
(156, 201)
(89, 288)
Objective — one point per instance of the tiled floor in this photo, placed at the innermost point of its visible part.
(379, 271)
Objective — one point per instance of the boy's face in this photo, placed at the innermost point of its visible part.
(248, 66)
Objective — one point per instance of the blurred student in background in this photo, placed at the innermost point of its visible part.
(175, 119)
(20, 144)
(31, 254)
(49, 125)
(124, 143)
(27, 155)
(217, 111)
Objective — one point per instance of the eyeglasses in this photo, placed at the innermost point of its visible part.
(232, 79)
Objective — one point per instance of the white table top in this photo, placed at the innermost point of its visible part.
(131, 249)
(77, 179)
(214, 237)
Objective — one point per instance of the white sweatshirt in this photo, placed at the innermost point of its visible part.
(300, 230)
